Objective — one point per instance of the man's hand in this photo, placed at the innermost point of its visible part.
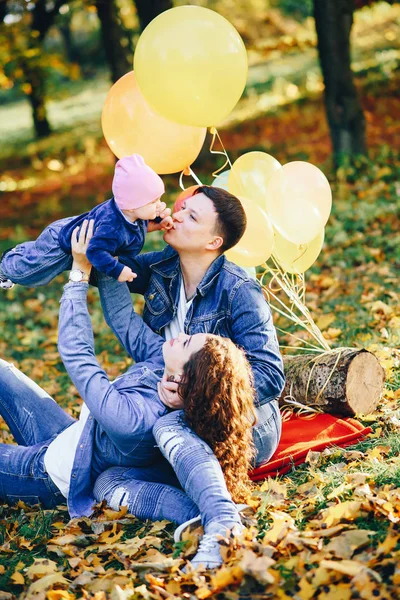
(79, 244)
(168, 392)
(127, 275)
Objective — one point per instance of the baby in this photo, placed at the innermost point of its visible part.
(120, 226)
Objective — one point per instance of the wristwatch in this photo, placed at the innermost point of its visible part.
(76, 275)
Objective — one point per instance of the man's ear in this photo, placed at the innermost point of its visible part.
(215, 243)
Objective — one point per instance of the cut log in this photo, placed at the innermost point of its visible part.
(344, 382)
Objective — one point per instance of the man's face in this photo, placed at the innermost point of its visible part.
(195, 225)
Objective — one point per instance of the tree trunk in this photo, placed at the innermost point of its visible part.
(36, 79)
(333, 21)
(343, 382)
(116, 39)
(147, 10)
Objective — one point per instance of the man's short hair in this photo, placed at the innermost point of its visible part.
(231, 218)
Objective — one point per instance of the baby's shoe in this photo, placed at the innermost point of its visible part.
(5, 283)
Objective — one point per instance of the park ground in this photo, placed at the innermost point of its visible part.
(328, 529)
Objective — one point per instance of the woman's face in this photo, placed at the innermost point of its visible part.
(177, 352)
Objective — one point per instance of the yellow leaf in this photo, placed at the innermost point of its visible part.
(159, 526)
(324, 321)
(344, 510)
(59, 595)
(389, 543)
(306, 591)
(18, 578)
(45, 582)
(113, 515)
(282, 522)
(336, 591)
(347, 567)
(332, 333)
(226, 576)
(111, 535)
(41, 566)
(345, 544)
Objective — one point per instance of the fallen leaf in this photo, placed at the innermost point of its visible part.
(345, 544)
(348, 510)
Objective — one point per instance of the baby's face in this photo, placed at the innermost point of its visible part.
(148, 211)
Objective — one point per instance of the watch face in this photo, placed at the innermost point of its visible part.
(76, 275)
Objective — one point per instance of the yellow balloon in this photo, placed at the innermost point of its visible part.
(297, 258)
(250, 175)
(130, 126)
(256, 245)
(191, 65)
(299, 201)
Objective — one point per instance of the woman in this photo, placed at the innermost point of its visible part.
(58, 457)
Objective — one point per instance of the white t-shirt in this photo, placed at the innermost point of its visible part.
(59, 456)
(178, 322)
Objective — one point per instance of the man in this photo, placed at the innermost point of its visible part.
(190, 286)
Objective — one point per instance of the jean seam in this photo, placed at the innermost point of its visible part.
(14, 421)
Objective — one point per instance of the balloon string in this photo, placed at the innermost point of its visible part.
(186, 172)
(215, 134)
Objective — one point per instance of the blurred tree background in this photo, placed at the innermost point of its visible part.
(322, 87)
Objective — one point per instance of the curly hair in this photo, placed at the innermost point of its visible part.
(218, 396)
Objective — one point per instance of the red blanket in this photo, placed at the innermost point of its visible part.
(299, 435)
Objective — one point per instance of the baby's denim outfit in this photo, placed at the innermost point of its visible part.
(38, 262)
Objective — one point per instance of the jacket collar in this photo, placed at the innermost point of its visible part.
(170, 267)
(150, 377)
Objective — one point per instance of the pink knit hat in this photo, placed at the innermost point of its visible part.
(135, 184)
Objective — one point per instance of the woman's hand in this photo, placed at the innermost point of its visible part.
(168, 392)
(79, 244)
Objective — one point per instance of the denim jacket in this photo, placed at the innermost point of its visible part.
(122, 414)
(113, 236)
(227, 302)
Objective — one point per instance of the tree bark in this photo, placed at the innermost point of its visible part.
(333, 21)
(343, 382)
(147, 10)
(35, 77)
(116, 39)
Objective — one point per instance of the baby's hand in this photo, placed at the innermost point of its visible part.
(167, 224)
(162, 210)
(127, 275)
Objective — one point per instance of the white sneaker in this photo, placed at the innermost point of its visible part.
(5, 283)
(208, 555)
(196, 522)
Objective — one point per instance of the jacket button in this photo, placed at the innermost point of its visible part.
(73, 475)
(151, 296)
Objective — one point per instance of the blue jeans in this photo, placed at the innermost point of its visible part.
(34, 419)
(38, 262)
(267, 431)
(157, 492)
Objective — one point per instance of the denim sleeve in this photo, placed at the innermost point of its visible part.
(136, 337)
(254, 331)
(101, 251)
(122, 415)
